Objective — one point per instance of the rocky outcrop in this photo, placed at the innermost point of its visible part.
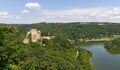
(34, 34)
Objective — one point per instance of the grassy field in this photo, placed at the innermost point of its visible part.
(101, 39)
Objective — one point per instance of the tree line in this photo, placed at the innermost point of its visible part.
(75, 30)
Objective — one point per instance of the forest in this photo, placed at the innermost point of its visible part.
(57, 53)
(113, 46)
(75, 30)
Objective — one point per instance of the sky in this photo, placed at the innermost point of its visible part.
(34, 11)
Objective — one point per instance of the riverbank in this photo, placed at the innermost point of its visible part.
(100, 39)
(101, 58)
(83, 42)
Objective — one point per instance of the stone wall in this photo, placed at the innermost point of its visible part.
(34, 34)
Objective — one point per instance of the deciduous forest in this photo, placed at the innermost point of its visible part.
(58, 53)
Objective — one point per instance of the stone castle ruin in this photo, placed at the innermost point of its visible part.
(34, 35)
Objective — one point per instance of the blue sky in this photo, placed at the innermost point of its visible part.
(32, 11)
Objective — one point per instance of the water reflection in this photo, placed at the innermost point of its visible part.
(102, 58)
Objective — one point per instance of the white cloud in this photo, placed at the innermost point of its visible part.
(110, 13)
(17, 17)
(73, 11)
(114, 11)
(5, 15)
(70, 15)
(33, 5)
(115, 17)
(84, 14)
(25, 11)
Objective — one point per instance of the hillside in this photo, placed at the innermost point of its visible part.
(113, 46)
(75, 30)
(55, 54)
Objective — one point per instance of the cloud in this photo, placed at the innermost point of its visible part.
(73, 11)
(17, 17)
(111, 13)
(115, 17)
(25, 11)
(33, 5)
(5, 15)
(84, 14)
(114, 11)
(68, 15)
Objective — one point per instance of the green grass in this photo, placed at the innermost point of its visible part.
(101, 39)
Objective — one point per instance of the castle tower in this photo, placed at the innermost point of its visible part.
(34, 34)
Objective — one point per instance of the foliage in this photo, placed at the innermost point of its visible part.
(7, 47)
(75, 30)
(113, 46)
(55, 54)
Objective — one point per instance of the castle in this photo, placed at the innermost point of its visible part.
(34, 35)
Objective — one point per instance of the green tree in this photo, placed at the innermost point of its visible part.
(7, 47)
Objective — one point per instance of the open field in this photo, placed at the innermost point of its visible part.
(101, 39)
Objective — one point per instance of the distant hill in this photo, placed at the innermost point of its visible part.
(74, 30)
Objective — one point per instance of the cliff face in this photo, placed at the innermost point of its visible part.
(34, 34)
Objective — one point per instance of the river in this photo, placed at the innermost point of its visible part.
(101, 59)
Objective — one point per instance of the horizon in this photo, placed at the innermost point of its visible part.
(64, 23)
(36, 11)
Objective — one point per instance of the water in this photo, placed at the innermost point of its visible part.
(101, 59)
